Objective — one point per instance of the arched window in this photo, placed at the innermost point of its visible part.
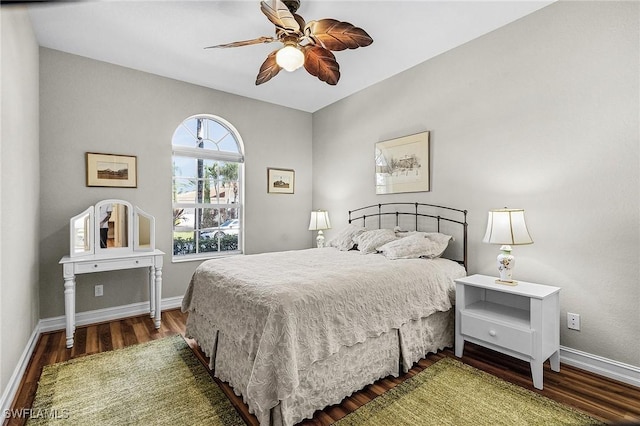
(207, 188)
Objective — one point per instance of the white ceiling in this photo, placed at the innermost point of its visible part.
(167, 38)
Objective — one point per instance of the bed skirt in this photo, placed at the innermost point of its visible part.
(330, 380)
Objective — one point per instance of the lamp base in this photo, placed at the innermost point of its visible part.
(506, 262)
(320, 239)
(512, 283)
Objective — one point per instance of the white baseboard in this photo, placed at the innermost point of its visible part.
(602, 366)
(14, 381)
(58, 323)
(106, 314)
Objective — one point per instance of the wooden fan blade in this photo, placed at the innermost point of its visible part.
(336, 35)
(278, 13)
(300, 20)
(243, 43)
(269, 69)
(321, 63)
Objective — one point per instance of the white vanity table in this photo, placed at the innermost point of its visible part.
(111, 236)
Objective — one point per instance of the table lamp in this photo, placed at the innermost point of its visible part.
(506, 227)
(319, 221)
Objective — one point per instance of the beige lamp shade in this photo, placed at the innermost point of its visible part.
(319, 220)
(507, 226)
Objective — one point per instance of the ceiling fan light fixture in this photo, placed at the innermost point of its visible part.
(305, 43)
(290, 57)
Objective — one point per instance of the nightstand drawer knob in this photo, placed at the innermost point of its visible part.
(492, 333)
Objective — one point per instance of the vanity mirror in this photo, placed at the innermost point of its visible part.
(111, 227)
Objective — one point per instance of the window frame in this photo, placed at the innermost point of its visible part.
(212, 155)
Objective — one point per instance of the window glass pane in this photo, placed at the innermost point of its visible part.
(185, 134)
(184, 190)
(219, 242)
(183, 244)
(216, 131)
(228, 144)
(208, 243)
(224, 182)
(229, 192)
(185, 166)
(183, 220)
(208, 219)
(228, 242)
(229, 221)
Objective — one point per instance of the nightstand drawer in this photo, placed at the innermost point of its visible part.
(515, 339)
(113, 265)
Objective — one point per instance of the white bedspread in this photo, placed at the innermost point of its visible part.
(290, 309)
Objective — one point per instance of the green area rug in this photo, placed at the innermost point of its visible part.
(452, 393)
(155, 383)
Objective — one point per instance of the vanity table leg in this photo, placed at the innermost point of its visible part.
(158, 294)
(70, 307)
(152, 292)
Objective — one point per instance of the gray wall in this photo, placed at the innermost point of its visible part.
(19, 192)
(541, 114)
(92, 106)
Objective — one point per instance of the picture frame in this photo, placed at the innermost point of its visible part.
(280, 181)
(403, 164)
(112, 170)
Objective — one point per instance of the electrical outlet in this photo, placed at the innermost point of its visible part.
(573, 321)
(98, 290)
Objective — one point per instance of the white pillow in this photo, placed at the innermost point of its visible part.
(442, 239)
(344, 239)
(416, 245)
(369, 241)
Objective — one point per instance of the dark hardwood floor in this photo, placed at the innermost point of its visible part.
(605, 399)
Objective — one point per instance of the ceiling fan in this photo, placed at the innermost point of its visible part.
(305, 43)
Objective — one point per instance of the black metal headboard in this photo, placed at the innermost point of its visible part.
(399, 212)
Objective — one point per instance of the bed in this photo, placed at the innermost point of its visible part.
(293, 332)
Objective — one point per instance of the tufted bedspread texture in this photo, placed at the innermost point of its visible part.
(289, 310)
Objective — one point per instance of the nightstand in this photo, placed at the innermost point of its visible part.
(522, 321)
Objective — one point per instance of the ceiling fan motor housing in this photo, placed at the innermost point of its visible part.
(292, 5)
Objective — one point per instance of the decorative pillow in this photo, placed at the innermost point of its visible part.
(442, 239)
(416, 245)
(344, 239)
(369, 241)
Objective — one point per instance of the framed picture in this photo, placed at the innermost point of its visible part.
(112, 170)
(280, 181)
(402, 164)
